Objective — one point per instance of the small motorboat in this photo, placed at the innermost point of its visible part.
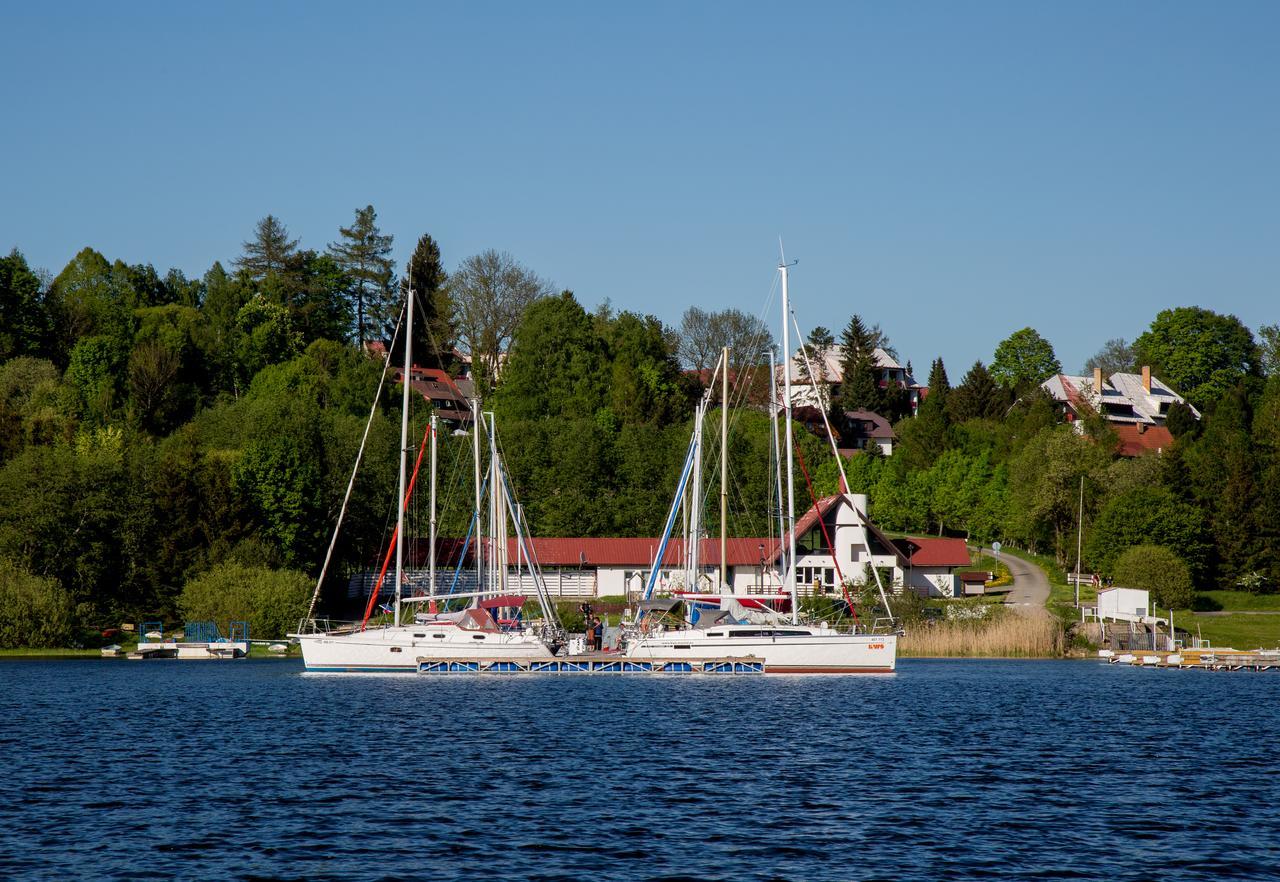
(112, 651)
(278, 647)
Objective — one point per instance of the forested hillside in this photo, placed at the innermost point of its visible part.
(159, 432)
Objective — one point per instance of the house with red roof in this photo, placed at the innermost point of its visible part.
(836, 543)
(1135, 406)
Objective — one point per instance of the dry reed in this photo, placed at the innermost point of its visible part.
(1009, 636)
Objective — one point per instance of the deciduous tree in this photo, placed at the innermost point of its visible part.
(490, 292)
(1023, 359)
(1198, 352)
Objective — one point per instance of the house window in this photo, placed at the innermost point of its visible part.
(824, 578)
(813, 542)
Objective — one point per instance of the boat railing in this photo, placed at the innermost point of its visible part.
(327, 626)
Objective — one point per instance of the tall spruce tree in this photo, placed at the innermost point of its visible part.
(433, 334)
(939, 388)
(977, 397)
(859, 381)
(269, 251)
(364, 254)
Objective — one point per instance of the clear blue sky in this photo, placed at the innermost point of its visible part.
(951, 171)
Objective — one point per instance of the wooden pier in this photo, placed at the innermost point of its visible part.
(591, 664)
(1225, 659)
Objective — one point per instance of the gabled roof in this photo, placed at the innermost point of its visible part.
(868, 424)
(828, 364)
(921, 551)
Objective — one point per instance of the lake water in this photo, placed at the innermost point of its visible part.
(946, 770)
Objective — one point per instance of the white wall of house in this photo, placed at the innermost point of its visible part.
(934, 581)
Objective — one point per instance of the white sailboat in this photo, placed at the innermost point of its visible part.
(785, 647)
(471, 633)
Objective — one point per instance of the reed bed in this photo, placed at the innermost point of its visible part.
(1009, 636)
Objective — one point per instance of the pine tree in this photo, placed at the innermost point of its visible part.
(977, 397)
(433, 335)
(363, 253)
(939, 389)
(859, 382)
(269, 251)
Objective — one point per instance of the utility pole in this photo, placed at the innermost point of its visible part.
(1079, 539)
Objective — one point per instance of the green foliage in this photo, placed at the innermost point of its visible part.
(860, 374)
(1198, 352)
(1158, 570)
(364, 254)
(35, 611)
(1024, 359)
(271, 601)
(1148, 515)
(433, 311)
(977, 397)
(25, 323)
(94, 373)
(556, 366)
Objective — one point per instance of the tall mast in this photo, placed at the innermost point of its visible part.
(724, 466)
(776, 491)
(431, 558)
(786, 409)
(475, 433)
(404, 449)
(497, 515)
(695, 509)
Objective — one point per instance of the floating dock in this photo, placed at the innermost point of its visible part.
(1199, 659)
(591, 664)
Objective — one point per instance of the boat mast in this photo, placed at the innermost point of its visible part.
(475, 433)
(404, 449)
(431, 558)
(695, 509)
(776, 465)
(497, 516)
(786, 407)
(724, 466)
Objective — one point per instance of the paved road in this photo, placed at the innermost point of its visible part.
(1030, 590)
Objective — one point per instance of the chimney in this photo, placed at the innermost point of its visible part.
(1146, 378)
(1097, 380)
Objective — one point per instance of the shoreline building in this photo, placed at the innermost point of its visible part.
(835, 542)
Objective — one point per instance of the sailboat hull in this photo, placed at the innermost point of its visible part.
(793, 650)
(397, 649)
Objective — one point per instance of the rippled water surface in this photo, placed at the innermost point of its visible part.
(947, 770)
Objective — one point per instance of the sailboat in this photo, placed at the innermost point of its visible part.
(475, 631)
(786, 647)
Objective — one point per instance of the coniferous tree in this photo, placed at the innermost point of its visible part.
(24, 317)
(433, 336)
(859, 382)
(977, 397)
(269, 251)
(364, 254)
(939, 388)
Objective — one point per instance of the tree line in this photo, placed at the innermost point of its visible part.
(159, 432)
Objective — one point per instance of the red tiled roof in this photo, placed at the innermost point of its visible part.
(629, 552)
(934, 552)
(1133, 442)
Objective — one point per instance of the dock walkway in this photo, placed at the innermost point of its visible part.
(591, 664)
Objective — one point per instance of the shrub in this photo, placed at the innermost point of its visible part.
(1158, 570)
(271, 601)
(35, 611)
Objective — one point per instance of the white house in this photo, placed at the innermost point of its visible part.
(1136, 406)
(827, 372)
(835, 543)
